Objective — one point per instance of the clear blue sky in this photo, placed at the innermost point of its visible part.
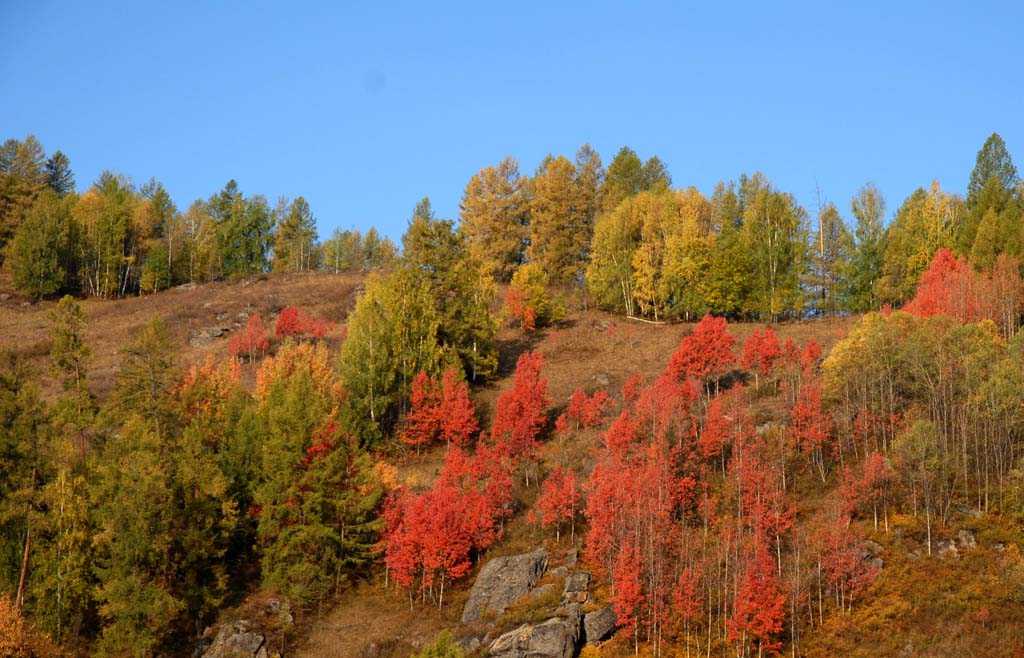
(364, 108)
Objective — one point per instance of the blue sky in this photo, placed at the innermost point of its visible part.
(365, 108)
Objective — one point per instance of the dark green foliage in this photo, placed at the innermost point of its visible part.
(295, 247)
(243, 230)
(865, 264)
(317, 494)
(59, 176)
(42, 252)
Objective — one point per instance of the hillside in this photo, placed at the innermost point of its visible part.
(186, 310)
(966, 599)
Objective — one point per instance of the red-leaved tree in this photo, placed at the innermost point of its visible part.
(706, 354)
(759, 353)
(759, 606)
(812, 427)
(520, 412)
(439, 412)
(558, 500)
(251, 340)
(588, 412)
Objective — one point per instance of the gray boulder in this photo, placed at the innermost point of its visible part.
(947, 548)
(555, 638)
(966, 539)
(598, 625)
(577, 582)
(236, 640)
(502, 581)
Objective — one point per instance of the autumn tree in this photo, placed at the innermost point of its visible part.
(439, 412)
(774, 234)
(558, 500)
(494, 217)
(706, 354)
(759, 353)
(520, 412)
(926, 222)
(556, 238)
(250, 340)
(295, 237)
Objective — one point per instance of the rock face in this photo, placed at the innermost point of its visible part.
(598, 625)
(235, 640)
(502, 581)
(554, 638)
(946, 548)
(577, 588)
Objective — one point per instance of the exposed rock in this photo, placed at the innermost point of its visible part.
(468, 644)
(598, 625)
(966, 539)
(571, 557)
(577, 582)
(559, 572)
(947, 548)
(502, 581)
(602, 379)
(554, 638)
(873, 548)
(966, 511)
(212, 332)
(236, 640)
(199, 341)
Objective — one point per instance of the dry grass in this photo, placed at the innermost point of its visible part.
(113, 324)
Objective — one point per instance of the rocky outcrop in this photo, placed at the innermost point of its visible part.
(598, 625)
(554, 638)
(577, 588)
(206, 335)
(236, 640)
(501, 582)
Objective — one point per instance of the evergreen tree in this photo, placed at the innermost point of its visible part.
(437, 256)
(392, 336)
(830, 255)
(59, 176)
(866, 261)
(22, 178)
(991, 186)
(243, 230)
(295, 238)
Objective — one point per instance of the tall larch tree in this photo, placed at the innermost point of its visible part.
(554, 220)
(991, 188)
(437, 256)
(774, 233)
(295, 238)
(830, 249)
(22, 178)
(494, 217)
(865, 265)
